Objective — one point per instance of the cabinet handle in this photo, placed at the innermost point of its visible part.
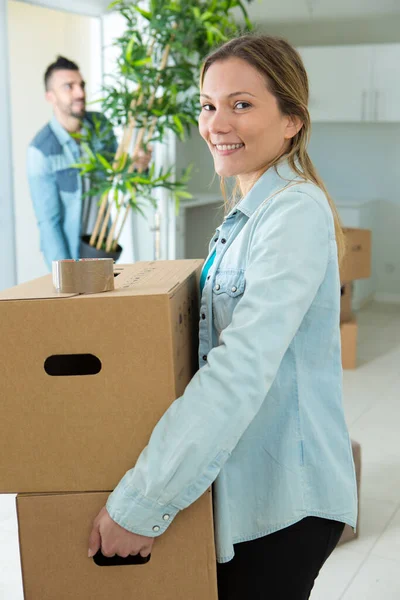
(363, 105)
(376, 100)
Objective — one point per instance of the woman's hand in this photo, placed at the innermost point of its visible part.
(111, 538)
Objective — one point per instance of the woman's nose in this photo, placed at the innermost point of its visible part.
(220, 122)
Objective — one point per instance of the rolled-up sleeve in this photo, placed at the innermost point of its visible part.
(286, 264)
(47, 207)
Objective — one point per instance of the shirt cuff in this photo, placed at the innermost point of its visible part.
(136, 513)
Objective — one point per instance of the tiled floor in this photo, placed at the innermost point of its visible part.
(367, 568)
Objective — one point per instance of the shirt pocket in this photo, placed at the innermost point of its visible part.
(228, 289)
(67, 180)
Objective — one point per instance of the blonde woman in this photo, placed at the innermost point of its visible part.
(262, 419)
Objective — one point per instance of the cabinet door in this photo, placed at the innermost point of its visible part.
(340, 82)
(386, 83)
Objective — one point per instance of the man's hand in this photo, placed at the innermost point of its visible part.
(113, 539)
(143, 160)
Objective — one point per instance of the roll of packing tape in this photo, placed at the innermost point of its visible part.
(83, 276)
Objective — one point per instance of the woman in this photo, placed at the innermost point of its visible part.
(263, 417)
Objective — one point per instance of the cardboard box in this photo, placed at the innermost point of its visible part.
(348, 533)
(346, 292)
(348, 336)
(54, 531)
(357, 261)
(85, 379)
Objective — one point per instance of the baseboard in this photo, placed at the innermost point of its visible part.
(387, 297)
(361, 302)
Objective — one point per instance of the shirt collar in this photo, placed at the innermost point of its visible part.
(62, 134)
(271, 181)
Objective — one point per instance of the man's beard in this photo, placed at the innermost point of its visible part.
(78, 114)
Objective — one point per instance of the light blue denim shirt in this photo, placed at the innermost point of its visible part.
(262, 419)
(56, 187)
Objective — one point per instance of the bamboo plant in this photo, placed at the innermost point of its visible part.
(153, 92)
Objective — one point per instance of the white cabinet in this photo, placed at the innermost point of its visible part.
(340, 81)
(353, 83)
(386, 83)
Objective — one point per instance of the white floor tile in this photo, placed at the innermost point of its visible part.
(10, 572)
(337, 573)
(388, 545)
(378, 579)
(375, 515)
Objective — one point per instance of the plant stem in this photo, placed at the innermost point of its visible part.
(115, 245)
(110, 236)
(104, 227)
(99, 217)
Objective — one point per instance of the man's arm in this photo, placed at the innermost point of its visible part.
(47, 206)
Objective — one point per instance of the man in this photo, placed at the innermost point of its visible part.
(57, 189)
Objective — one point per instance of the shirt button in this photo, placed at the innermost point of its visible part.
(205, 357)
(203, 316)
(156, 528)
(223, 241)
(217, 287)
(216, 239)
(234, 289)
(208, 277)
(166, 517)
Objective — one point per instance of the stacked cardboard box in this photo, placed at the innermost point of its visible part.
(356, 265)
(84, 380)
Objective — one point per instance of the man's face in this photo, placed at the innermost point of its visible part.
(66, 93)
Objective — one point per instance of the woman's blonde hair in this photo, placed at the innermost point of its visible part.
(287, 80)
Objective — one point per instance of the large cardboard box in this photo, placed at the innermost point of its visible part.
(54, 531)
(348, 336)
(84, 379)
(357, 261)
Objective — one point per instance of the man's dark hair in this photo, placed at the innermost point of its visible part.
(61, 64)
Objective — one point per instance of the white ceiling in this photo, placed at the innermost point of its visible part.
(304, 10)
(263, 10)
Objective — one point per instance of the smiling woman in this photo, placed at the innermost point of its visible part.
(262, 420)
(271, 111)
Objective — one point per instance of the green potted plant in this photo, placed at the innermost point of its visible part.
(153, 92)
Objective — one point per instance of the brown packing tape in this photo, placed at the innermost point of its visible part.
(84, 276)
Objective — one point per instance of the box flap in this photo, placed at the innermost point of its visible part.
(138, 279)
(156, 277)
(41, 288)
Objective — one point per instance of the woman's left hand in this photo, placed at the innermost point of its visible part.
(111, 538)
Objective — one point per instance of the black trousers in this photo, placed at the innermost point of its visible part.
(279, 566)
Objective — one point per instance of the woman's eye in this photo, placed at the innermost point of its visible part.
(207, 106)
(242, 105)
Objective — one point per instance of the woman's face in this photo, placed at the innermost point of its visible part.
(241, 122)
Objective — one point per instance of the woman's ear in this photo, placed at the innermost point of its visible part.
(293, 126)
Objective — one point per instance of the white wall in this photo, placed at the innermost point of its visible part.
(7, 229)
(36, 36)
(361, 161)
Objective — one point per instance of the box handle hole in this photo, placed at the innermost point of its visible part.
(114, 561)
(69, 365)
